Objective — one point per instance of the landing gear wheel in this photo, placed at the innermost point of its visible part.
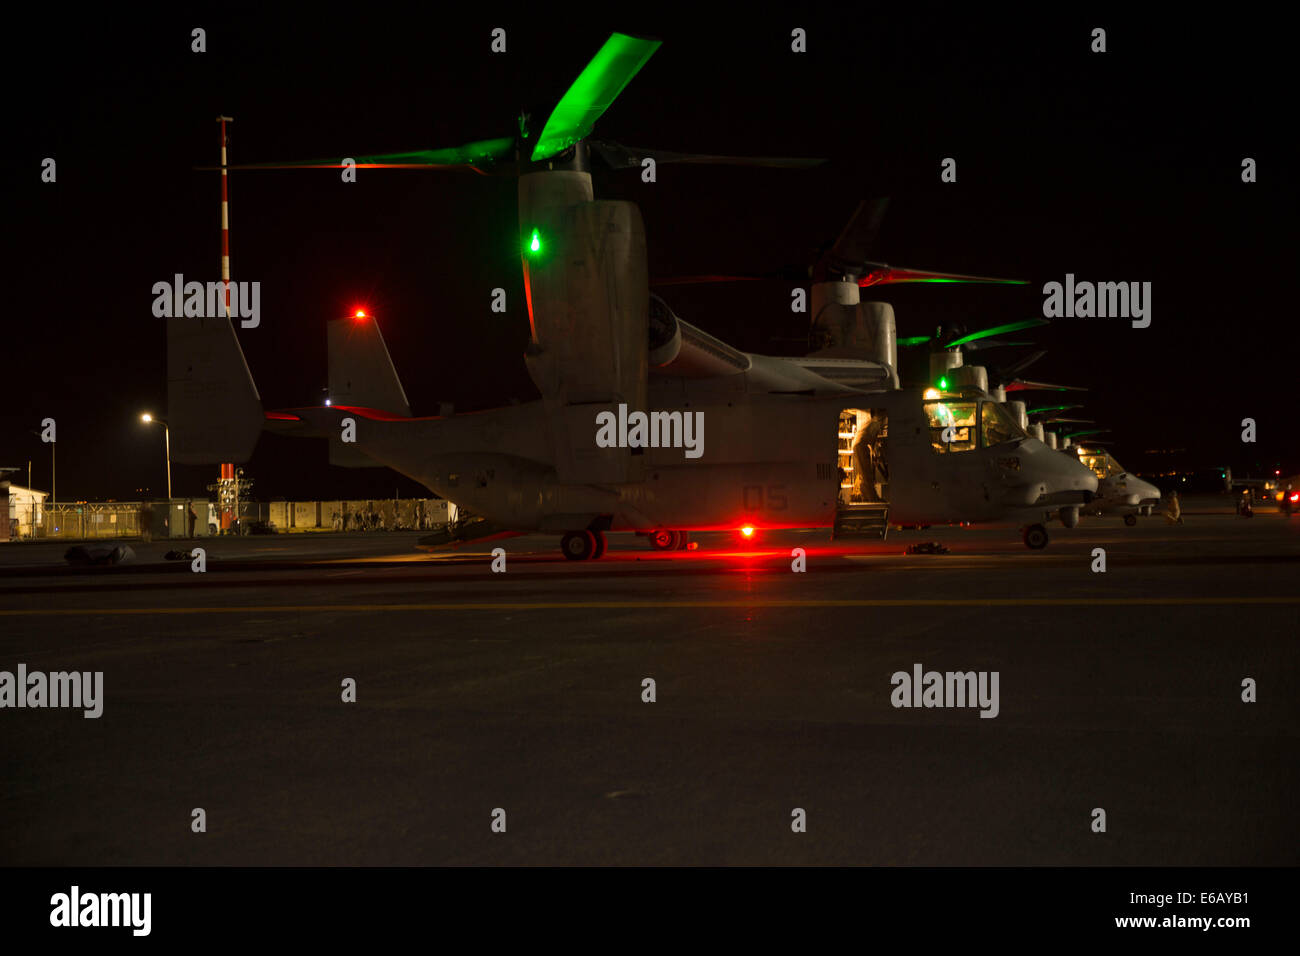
(600, 544)
(683, 539)
(1035, 537)
(1130, 520)
(578, 545)
(663, 539)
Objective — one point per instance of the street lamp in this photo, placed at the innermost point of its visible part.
(167, 440)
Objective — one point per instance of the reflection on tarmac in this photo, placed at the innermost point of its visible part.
(523, 689)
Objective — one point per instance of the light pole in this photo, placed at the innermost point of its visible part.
(167, 441)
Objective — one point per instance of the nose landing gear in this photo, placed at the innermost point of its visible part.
(1035, 536)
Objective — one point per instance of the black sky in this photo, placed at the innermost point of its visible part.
(1118, 166)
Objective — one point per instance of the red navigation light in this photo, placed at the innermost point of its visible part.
(361, 313)
(747, 531)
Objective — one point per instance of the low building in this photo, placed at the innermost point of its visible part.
(22, 511)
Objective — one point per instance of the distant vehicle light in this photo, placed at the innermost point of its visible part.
(747, 531)
(327, 401)
(1295, 496)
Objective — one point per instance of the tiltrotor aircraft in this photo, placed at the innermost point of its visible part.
(1118, 491)
(645, 422)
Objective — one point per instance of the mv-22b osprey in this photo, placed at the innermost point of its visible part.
(645, 423)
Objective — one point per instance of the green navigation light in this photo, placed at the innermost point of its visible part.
(536, 244)
(942, 384)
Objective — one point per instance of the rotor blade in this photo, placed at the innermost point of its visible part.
(857, 241)
(1024, 385)
(595, 89)
(1052, 408)
(619, 156)
(881, 274)
(993, 344)
(484, 152)
(1069, 421)
(1009, 373)
(912, 341)
(997, 330)
(1091, 431)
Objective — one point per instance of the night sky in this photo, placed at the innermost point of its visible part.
(1123, 166)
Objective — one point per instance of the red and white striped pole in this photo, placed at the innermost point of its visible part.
(227, 470)
(225, 215)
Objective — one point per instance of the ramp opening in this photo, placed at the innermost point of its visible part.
(862, 507)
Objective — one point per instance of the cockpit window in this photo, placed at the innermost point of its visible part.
(997, 425)
(952, 426)
(1102, 465)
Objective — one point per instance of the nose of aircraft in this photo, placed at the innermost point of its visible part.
(1049, 477)
(1058, 471)
(1145, 490)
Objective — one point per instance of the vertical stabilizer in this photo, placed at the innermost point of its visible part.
(213, 410)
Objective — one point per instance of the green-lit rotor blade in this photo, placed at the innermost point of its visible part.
(913, 340)
(1052, 408)
(596, 87)
(997, 330)
(471, 154)
(1092, 431)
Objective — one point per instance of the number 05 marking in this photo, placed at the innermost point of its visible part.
(754, 498)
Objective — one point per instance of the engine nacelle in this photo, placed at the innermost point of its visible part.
(665, 334)
(845, 327)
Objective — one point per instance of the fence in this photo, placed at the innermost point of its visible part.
(125, 519)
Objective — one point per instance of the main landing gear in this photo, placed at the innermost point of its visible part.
(583, 545)
(1130, 520)
(666, 540)
(1035, 536)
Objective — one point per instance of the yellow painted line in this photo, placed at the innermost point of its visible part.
(657, 605)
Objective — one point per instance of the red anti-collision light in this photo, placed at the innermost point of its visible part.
(361, 314)
(747, 531)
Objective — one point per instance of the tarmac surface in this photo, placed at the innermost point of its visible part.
(522, 690)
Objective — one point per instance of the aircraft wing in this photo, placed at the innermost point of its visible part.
(700, 355)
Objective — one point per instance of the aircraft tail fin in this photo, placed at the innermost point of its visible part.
(361, 374)
(214, 413)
